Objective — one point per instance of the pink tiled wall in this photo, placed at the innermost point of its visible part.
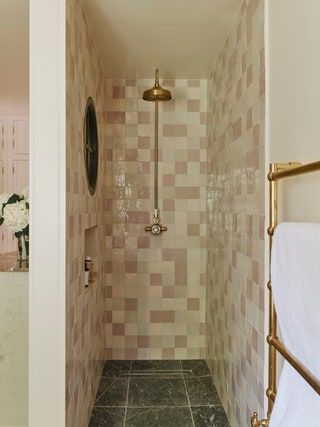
(84, 307)
(152, 297)
(235, 207)
(155, 293)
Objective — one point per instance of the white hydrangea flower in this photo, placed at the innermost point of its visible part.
(25, 194)
(16, 216)
(4, 197)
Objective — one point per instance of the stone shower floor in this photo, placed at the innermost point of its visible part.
(157, 393)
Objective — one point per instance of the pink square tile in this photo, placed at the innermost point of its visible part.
(144, 142)
(193, 229)
(193, 105)
(131, 304)
(118, 242)
(181, 167)
(193, 83)
(187, 193)
(237, 129)
(131, 266)
(156, 316)
(115, 117)
(168, 292)
(131, 82)
(118, 329)
(131, 155)
(143, 242)
(168, 205)
(155, 279)
(168, 353)
(143, 341)
(119, 92)
(175, 130)
(193, 304)
(168, 180)
(180, 341)
(143, 117)
(193, 155)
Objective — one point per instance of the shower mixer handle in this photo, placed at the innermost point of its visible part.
(156, 228)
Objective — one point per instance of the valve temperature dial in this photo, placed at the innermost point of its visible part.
(156, 228)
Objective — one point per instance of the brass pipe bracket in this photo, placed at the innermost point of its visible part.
(256, 423)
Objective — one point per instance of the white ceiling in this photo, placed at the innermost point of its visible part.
(180, 37)
(14, 51)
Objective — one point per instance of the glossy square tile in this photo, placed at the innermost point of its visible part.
(181, 134)
(236, 216)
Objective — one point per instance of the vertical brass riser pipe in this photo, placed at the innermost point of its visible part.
(156, 158)
(156, 94)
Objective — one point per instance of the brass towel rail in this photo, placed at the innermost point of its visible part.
(278, 171)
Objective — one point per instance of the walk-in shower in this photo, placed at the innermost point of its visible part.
(156, 94)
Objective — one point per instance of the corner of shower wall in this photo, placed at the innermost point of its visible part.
(236, 217)
(84, 306)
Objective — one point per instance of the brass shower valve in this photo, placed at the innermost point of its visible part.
(156, 228)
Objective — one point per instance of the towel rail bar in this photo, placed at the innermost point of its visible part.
(295, 363)
(278, 171)
(292, 169)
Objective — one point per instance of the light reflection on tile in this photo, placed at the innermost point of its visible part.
(235, 208)
(175, 259)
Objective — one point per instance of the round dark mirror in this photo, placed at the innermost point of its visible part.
(91, 145)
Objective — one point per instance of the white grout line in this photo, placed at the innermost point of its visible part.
(112, 382)
(185, 386)
(127, 399)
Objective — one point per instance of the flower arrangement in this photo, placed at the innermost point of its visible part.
(14, 213)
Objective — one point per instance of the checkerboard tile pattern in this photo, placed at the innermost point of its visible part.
(235, 207)
(155, 285)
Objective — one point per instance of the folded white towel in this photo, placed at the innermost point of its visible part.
(295, 276)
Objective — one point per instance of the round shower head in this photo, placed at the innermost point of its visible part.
(157, 93)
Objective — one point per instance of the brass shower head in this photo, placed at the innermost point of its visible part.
(157, 93)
